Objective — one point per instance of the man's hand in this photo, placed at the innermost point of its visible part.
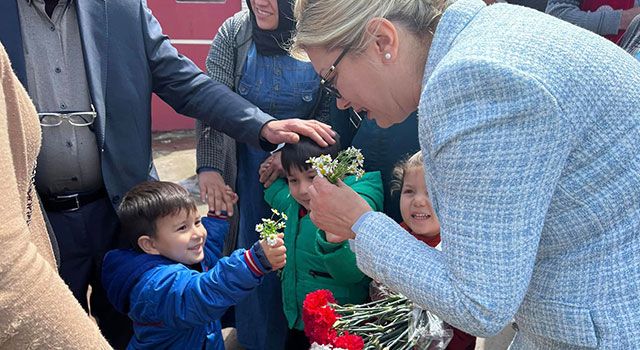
(288, 131)
(277, 255)
(215, 193)
(271, 169)
(335, 208)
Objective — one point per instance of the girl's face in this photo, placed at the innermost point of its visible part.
(266, 12)
(415, 205)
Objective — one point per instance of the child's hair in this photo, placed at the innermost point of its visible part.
(412, 161)
(295, 155)
(147, 202)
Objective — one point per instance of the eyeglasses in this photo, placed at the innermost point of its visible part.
(327, 83)
(74, 118)
(355, 118)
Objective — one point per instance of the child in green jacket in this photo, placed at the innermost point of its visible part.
(312, 262)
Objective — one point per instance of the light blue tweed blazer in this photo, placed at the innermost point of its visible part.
(530, 129)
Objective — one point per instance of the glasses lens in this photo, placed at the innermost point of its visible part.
(82, 119)
(50, 119)
(331, 90)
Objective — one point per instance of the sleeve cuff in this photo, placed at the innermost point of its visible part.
(610, 22)
(356, 228)
(203, 169)
(278, 148)
(259, 259)
(253, 263)
(264, 144)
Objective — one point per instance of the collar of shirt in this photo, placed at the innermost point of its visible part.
(430, 241)
(30, 2)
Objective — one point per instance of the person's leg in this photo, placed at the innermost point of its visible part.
(260, 320)
(103, 226)
(75, 252)
(116, 327)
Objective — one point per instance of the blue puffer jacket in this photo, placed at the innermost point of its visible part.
(172, 306)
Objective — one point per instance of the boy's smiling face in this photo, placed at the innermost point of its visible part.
(179, 237)
(415, 205)
(299, 182)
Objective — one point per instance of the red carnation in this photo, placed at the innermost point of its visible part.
(319, 317)
(320, 335)
(349, 342)
(317, 300)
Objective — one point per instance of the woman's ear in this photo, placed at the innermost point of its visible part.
(147, 244)
(385, 34)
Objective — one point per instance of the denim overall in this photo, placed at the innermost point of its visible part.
(284, 88)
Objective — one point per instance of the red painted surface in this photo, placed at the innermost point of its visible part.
(187, 20)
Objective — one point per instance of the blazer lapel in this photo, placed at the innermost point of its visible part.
(92, 19)
(11, 37)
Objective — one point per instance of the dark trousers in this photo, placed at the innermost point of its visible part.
(297, 340)
(84, 236)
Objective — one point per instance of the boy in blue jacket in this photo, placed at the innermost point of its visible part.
(174, 285)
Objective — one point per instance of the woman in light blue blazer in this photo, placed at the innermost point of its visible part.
(530, 131)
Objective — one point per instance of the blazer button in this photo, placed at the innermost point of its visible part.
(115, 200)
(515, 327)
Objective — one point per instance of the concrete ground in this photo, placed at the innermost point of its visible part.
(175, 159)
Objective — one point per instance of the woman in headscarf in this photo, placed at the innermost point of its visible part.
(248, 55)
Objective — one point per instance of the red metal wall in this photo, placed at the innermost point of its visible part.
(191, 25)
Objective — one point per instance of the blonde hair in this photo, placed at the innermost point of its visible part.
(336, 24)
(413, 161)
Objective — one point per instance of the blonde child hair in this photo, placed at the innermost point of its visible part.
(412, 161)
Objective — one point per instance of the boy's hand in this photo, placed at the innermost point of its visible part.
(271, 169)
(277, 254)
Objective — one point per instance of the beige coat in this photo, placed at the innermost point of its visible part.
(37, 310)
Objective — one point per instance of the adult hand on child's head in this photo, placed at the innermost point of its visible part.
(335, 208)
(271, 169)
(288, 131)
(276, 254)
(213, 191)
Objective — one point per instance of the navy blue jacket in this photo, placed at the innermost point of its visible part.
(127, 58)
(173, 306)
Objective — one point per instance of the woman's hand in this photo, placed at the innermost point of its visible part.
(335, 208)
(215, 193)
(271, 169)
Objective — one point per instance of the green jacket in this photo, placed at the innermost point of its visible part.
(312, 262)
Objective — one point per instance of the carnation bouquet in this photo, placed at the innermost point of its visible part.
(391, 322)
(270, 228)
(348, 162)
